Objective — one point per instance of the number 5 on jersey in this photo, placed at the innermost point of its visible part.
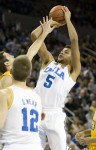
(49, 81)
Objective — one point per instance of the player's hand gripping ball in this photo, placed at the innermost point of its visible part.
(57, 14)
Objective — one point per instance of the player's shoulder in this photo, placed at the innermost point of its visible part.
(4, 92)
(6, 81)
(6, 77)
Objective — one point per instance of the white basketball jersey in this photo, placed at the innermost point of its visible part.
(24, 115)
(54, 85)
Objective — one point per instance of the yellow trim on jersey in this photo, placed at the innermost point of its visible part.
(11, 98)
(92, 146)
(7, 73)
(47, 64)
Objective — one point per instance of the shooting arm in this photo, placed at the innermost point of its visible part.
(75, 61)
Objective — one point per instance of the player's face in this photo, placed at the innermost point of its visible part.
(65, 56)
(9, 57)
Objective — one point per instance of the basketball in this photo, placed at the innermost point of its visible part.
(57, 14)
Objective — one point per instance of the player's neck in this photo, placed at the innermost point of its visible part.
(20, 84)
(62, 65)
(9, 68)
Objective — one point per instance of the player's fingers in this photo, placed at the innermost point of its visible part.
(47, 19)
(64, 9)
(67, 9)
(82, 141)
(42, 116)
(51, 19)
(76, 136)
(41, 24)
(43, 19)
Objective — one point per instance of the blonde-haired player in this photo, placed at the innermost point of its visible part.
(20, 110)
(54, 84)
(88, 137)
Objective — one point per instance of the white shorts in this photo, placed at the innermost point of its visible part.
(23, 147)
(53, 127)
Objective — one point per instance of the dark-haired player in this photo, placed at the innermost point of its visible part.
(54, 84)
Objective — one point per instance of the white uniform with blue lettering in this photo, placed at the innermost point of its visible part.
(53, 87)
(20, 131)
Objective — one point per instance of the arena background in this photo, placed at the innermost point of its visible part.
(19, 17)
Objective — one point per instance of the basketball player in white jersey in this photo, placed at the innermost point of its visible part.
(20, 111)
(16, 127)
(55, 82)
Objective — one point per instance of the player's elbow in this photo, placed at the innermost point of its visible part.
(74, 39)
(32, 34)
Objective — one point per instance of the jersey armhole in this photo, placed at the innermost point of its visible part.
(9, 103)
(42, 68)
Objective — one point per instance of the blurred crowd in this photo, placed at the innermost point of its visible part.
(83, 14)
(82, 100)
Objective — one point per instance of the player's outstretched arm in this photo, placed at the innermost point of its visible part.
(76, 64)
(82, 134)
(3, 107)
(46, 29)
(87, 141)
(44, 54)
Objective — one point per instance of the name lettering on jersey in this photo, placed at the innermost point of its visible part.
(29, 102)
(56, 70)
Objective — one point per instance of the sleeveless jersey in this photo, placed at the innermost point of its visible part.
(7, 73)
(92, 146)
(54, 85)
(24, 115)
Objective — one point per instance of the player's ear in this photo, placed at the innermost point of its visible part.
(7, 63)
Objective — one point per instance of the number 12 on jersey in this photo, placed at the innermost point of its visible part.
(49, 81)
(33, 127)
